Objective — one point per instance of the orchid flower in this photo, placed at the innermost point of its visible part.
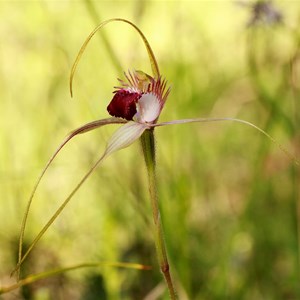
(139, 100)
(137, 103)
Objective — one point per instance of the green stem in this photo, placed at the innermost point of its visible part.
(148, 146)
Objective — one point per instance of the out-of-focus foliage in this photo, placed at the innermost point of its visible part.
(229, 198)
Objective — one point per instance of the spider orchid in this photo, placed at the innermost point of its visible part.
(141, 98)
(136, 104)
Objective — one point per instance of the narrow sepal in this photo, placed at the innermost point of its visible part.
(204, 120)
(82, 129)
(153, 62)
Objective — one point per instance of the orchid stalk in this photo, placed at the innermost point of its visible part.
(137, 104)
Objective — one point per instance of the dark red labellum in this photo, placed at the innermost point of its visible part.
(123, 104)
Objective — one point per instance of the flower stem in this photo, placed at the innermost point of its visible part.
(148, 146)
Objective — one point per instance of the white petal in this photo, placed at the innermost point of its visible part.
(125, 136)
(148, 108)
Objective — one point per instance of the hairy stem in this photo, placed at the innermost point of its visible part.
(148, 146)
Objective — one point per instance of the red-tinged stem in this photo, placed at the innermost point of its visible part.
(148, 145)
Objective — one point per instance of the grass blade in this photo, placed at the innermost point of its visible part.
(36, 277)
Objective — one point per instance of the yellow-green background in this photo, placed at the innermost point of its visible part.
(229, 197)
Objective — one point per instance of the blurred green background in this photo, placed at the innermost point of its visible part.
(229, 197)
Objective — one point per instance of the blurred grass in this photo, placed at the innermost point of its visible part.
(229, 198)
